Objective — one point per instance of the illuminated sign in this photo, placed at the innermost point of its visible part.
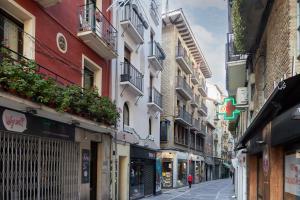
(228, 109)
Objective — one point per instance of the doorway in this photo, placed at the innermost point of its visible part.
(123, 165)
(93, 178)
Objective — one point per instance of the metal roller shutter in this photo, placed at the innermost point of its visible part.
(149, 177)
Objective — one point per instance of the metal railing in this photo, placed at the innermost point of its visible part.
(131, 14)
(183, 114)
(156, 50)
(18, 59)
(197, 124)
(203, 128)
(155, 97)
(232, 54)
(154, 11)
(197, 99)
(131, 74)
(92, 19)
(182, 52)
(196, 75)
(203, 84)
(203, 107)
(181, 83)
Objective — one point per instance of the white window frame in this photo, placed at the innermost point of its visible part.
(91, 65)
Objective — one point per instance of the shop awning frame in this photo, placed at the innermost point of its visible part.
(284, 96)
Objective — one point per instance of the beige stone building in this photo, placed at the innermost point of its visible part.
(184, 90)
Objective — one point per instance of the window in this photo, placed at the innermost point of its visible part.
(88, 78)
(125, 115)
(92, 75)
(127, 54)
(11, 32)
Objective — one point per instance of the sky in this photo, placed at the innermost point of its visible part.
(208, 20)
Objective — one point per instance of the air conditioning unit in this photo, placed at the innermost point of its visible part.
(242, 96)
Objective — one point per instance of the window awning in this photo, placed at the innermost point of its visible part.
(285, 96)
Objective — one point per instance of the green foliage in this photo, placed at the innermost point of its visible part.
(239, 27)
(21, 78)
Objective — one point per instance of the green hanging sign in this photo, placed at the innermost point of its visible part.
(228, 109)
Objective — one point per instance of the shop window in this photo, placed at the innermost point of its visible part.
(125, 115)
(182, 172)
(291, 176)
(136, 179)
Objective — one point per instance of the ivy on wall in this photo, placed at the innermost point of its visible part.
(239, 27)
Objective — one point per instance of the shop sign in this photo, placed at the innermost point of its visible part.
(292, 175)
(14, 121)
(228, 109)
(85, 172)
(34, 125)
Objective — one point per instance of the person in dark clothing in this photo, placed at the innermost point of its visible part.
(190, 180)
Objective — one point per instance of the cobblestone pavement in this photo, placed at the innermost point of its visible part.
(211, 190)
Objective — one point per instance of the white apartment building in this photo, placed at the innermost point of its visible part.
(136, 90)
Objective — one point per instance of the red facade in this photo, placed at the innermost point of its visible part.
(63, 18)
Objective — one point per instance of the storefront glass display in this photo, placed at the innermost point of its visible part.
(136, 179)
(197, 172)
(167, 172)
(182, 173)
(292, 176)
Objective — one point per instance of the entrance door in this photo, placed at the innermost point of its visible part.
(149, 177)
(93, 178)
(38, 168)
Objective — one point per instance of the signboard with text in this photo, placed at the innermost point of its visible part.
(292, 175)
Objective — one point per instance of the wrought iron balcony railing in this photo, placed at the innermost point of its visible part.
(203, 87)
(197, 124)
(184, 115)
(232, 54)
(92, 19)
(184, 86)
(130, 13)
(132, 75)
(155, 50)
(154, 11)
(182, 52)
(203, 107)
(155, 97)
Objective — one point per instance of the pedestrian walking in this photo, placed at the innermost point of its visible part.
(190, 180)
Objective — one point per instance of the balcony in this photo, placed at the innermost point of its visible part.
(131, 78)
(156, 56)
(195, 101)
(183, 117)
(203, 129)
(96, 31)
(183, 88)
(155, 100)
(133, 22)
(232, 54)
(48, 3)
(203, 109)
(203, 88)
(196, 125)
(154, 11)
(183, 60)
(195, 77)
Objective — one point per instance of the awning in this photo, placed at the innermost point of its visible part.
(286, 127)
(285, 96)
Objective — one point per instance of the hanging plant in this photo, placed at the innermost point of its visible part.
(239, 27)
(21, 78)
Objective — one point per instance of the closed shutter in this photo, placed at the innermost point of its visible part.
(37, 168)
(149, 177)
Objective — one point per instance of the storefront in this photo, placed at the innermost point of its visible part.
(142, 172)
(39, 157)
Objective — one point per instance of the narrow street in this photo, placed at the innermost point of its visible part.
(211, 190)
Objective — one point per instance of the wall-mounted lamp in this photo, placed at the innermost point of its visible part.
(75, 123)
(31, 110)
(261, 142)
